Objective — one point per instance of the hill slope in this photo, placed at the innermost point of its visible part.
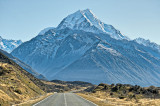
(15, 85)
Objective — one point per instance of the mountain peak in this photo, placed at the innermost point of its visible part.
(79, 19)
(42, 32)
(85, 20)
(8, 45)
(147, 43)
(87, 12)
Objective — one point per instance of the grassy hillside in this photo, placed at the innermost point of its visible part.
(15, 83)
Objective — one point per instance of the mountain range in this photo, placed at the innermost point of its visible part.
(9, 45)
(83, 48)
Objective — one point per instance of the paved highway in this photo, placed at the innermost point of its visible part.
(64, 99)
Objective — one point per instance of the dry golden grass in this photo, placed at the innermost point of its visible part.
(52, 83)
(34, 100)
(102, 99)
(95, 100)
(15, 87)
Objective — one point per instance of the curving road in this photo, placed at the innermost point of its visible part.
(64, 99)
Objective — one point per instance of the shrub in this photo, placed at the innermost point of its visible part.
(122, 97)
(18, 91)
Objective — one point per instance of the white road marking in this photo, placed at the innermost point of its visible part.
(87, 100)
(42, 100)
(65, 102)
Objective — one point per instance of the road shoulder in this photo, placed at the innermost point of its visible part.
(34, 100)
(94, 100)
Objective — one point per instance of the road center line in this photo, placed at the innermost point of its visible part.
(65, 102)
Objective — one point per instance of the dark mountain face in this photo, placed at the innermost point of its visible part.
(71, 52)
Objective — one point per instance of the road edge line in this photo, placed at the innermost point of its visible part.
(87, 100)
(42, 100)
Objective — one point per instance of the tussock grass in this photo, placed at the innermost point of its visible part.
(15, 87)
(34, 100)
(103, 99)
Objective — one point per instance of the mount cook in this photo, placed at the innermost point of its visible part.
(83, 48)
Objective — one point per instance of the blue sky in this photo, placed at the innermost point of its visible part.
(24, 19)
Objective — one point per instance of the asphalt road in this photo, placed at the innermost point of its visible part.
(64, 99)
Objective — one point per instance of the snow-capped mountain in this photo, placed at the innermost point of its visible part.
(9, 45)
(85, 20)
(148, 43)
(79, 49)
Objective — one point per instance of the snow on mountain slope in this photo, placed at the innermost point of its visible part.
(90, 57)
(9, 45)
(148, 43)
(114, 62)
(45, 30)
(85, 20)
(54, 49)
(79, 49)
